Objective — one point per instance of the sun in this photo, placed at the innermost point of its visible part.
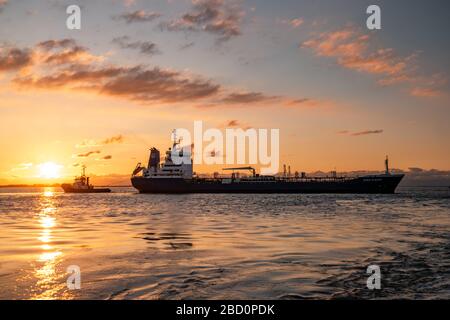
(49, 170)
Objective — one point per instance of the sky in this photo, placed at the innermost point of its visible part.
(341, 95)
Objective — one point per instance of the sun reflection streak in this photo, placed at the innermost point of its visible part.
(49, 282)
(47, 223)
(48, 193)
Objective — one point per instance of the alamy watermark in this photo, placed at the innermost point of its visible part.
(74, 279)
(237, 146)
(373, 22)
(374, 280)
(73, 22)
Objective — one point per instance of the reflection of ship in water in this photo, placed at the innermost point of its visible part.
(178, 177)
(81, 185)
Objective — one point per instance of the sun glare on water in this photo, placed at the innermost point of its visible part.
(49, 170)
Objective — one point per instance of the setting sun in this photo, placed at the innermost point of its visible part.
(49, 170)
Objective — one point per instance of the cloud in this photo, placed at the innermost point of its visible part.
(235, 124)
(87, 154)
(115, 139)
(187, 45)
(232, 123)
(218, 17)
(129, 3)
(249, 97)
(351, 49)
(93, 143)
(14, 58)
(425, 92)
(240, 99)
(65, 65)
(62, 52)
(59, 70)
(54, 44)
(138, 16)
(144, 47)
(295, 23)
(363, 133)
(308, 103)
(360, 133)
(354, 50)
(135, 83)
(3, 3)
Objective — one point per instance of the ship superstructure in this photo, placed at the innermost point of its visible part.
(81, 185)
(169, 169)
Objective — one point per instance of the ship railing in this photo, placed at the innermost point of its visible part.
(249, 179)
(314, 179)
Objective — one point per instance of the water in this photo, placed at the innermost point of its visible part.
(132, 246)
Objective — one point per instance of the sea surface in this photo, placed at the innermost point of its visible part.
(133, 246)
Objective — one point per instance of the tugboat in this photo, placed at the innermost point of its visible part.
(81, 185)
(170, 177)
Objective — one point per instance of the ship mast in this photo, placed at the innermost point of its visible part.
(175, 140)
(386, 165)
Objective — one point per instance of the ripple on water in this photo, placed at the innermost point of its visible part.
(132, 246)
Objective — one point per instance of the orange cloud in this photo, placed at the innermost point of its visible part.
(353, 50)
(307, 103)
(3, 4)
(366, 132)
(115, 139)
(361, 133)
(235, 124)
(63, 64)
(87, 154)
(425, 92)
(63, 51)
(232, 123)
(297, 22)
(138, 16)
(248, 97)
(129, 3)
(14, 58)
(92, 143)
(135, 83)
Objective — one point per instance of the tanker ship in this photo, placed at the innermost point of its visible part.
(171, 177)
